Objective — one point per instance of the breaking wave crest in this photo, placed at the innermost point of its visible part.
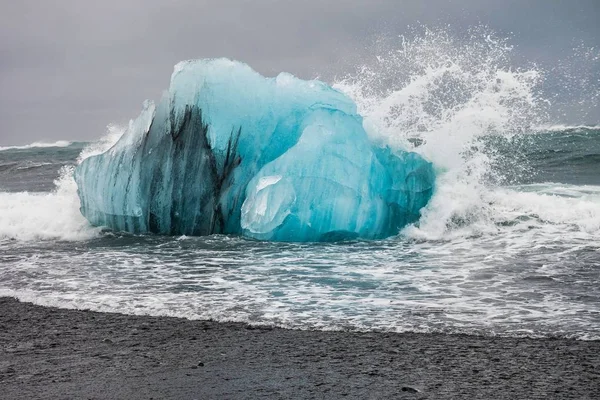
(59, 143)
(28, 216)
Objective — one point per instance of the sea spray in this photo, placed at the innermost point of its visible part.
(443, 96)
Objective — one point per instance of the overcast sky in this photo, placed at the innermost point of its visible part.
(70, 67)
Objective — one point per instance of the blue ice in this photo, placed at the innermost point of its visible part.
(229, 151)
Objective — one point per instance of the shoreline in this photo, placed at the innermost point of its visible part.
(52, 353)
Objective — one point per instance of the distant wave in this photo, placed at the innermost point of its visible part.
(563, 127)
(59, 143)
(34, 165)
(23, 167)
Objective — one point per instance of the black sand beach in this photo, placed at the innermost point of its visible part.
(50, 353)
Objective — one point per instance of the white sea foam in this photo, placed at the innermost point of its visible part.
(42, 216)
(60, 143)
(549, 208)
(51, 216)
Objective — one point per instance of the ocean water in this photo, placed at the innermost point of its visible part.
(509, 244)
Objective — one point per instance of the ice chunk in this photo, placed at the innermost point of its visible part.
(229, 151)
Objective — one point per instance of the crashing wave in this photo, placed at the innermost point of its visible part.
(230, 151)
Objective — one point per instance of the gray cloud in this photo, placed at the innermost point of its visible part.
(69, 67)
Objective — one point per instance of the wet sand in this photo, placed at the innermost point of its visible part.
(49, 353)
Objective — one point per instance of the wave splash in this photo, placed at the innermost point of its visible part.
(445, 98)
(52, 216)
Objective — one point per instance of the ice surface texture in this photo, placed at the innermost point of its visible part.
(229, 151)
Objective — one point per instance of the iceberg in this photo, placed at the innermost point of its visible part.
(228, 151)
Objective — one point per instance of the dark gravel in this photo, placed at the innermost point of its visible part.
(49, 353)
